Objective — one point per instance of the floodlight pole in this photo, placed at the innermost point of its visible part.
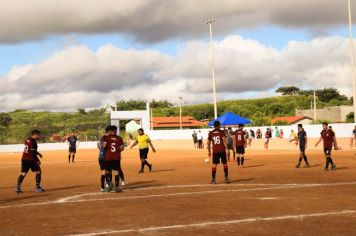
(352, 58)
(210, 21)
(180, 112)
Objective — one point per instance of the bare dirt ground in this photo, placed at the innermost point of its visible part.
(269, 196)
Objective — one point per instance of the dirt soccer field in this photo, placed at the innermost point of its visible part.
(267, 197)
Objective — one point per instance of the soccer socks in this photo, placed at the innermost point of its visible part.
(73, 157)
(102, 181)
(238, 160)
(38, 179)
(242, 160)
(108, 178)
(117, 178)
(20, 179)
(331, 161)
(69, 158)
(121, 174)
(305, 159)
(213, 172)
(327, 163)
(142, 166)
(226, 170)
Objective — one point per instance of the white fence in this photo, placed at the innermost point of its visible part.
(313, 131)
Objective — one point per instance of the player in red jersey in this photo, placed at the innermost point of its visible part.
(240, 144)
(113, 145)
(328, 137)
(30, 161)
(217, 140)
(268, 135)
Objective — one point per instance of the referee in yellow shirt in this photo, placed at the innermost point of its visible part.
(143, 142)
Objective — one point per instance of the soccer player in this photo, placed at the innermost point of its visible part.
(30, 161)
(217, 140)
(240, 144)
(102, 153)
(302, 140)
(353, 137)
(143, 141)
(230, 144)
(328, 137)
(72, 144)
(114, 145)
(268, 135)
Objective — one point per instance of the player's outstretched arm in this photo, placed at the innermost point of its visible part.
(134, 144)
(317, 143)
(151, 145)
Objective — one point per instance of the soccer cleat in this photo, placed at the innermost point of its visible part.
(227, 181)
(140, 171)
(333, 167)
(117, 189)
(18, 189)
(39, 189)
(102, 190)
(150, 168)
(123, 183)
(325, 169)
(306, 166)
(212, 181)
(297, 166)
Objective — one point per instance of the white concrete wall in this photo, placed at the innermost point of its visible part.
(313, 131)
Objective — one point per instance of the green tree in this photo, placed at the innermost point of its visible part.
(288, 90)
(5, 119)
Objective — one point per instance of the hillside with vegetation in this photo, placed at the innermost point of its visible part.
(89, 124)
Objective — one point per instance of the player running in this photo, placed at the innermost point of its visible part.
(240, 144)
(102, 153)
(143, 141)
(114, 145)
(303, 141)
(217, 140)
(30, 161)
(73, 143)
(328, 137)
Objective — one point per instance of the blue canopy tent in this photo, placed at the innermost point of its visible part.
(230, 118)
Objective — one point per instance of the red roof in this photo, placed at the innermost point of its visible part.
(174, 121)
(289, 119)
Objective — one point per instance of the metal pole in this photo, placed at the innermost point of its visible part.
(314, 107)
(352, 58)
(180, 112)
(210, 21)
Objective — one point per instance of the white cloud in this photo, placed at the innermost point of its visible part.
(80, 77)
(157, 20)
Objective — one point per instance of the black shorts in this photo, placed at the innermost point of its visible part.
(26, 165)
(102, 164)
(219, 156)
(144, 153)
(240, 150)
(229, 146)
(112, 165)
(72, 149)
(327, 151)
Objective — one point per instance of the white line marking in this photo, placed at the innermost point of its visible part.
(65, 200)
(267, 198)
(204, 224)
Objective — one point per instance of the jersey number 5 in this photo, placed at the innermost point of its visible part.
(113, 147)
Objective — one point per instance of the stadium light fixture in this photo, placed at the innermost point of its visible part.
(352, 59)
(210, 22)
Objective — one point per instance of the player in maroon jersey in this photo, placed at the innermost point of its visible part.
(328, 137)
(217, 140)
(30, 161)
(268, 135)
(113, 145)
(240, 144)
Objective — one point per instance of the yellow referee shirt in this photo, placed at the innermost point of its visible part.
(143, 141)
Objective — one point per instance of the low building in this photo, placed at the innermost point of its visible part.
(188, 122)
(291, 120)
